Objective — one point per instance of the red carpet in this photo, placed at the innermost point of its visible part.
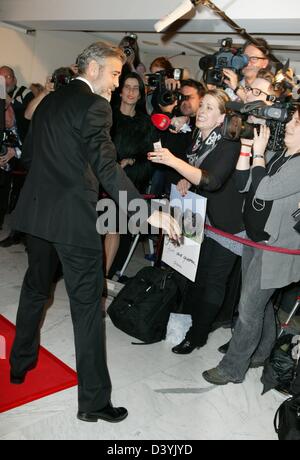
(50, 376)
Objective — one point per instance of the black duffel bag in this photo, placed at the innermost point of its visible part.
(142, 308)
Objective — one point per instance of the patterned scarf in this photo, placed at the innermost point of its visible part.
(201, 149)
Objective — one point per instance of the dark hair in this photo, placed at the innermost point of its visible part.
(63, 71)
(164, 64)
(131, 40)
(141, 103)
(193, 84)
(262, 45)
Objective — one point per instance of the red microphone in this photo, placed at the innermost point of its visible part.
(161, 121)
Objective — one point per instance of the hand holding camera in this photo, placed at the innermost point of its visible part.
(260, 141)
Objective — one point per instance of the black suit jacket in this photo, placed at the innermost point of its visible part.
(68, 142)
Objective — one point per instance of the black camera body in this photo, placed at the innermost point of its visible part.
(226, 58)
(164, 95)
(235, 124)
(10, 139)
(60, 80)
(128, 51)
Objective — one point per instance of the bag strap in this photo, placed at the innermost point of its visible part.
(276, 417)
(145, 343)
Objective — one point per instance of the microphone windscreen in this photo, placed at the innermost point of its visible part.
(180, 11)
(160, 121)
(236, 106)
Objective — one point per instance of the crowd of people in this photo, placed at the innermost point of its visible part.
(66, 136)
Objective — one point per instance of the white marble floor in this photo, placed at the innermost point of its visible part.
(165, 394)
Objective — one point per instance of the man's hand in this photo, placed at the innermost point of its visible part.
(177, 123)
(127, 162)
(7, 157)
(231, 79)
(166, 222)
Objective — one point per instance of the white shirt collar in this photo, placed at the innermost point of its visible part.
(86, 81)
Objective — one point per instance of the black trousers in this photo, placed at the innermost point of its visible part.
(204, 298)
(84, 283)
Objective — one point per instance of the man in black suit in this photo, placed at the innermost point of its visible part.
(68, 146)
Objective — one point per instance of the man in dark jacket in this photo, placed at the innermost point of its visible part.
(68, 151)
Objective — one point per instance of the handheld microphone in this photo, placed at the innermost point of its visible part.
(160, 121)
(180, 11)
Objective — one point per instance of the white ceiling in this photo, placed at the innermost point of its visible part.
(197, 34)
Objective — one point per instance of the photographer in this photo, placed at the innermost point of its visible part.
(212, 161)
(131, 50)
(179, 137)
(10, 147)
(258, 59)
(275, 188)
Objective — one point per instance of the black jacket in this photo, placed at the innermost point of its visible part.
(68, 150)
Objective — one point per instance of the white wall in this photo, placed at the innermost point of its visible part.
(186, 62)
(35, 57)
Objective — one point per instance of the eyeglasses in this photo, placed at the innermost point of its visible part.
(255, 91)
(254, 59)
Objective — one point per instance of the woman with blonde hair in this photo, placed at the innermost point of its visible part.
(209, 172)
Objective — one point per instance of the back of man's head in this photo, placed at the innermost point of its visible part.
(98, 52)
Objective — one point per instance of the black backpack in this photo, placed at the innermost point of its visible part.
(287, 420)
(142, 308)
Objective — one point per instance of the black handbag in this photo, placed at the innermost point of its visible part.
(287, 420)
(142, 308)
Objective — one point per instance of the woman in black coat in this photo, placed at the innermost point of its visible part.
(133, 135)
(212, 162)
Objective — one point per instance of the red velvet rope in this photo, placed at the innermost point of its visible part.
(264, 247)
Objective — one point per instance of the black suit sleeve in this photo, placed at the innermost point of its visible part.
(101, 152)
(27, 149)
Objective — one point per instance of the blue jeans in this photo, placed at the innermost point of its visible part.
(255, 331)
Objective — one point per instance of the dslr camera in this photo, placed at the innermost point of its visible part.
(128, 51)
(9, 139)
(226, 58)
(164, 95)
(277, 116)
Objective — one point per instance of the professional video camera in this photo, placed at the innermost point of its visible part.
(164, 95)
(226, 58)
(235, 124)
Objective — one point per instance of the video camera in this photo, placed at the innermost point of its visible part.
(226, 58)
(164, 95)
(235, 124)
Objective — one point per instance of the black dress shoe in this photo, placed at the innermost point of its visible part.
(184, 348)
(108, 414)
(224, 348)
(10, 241)
(17, 379)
